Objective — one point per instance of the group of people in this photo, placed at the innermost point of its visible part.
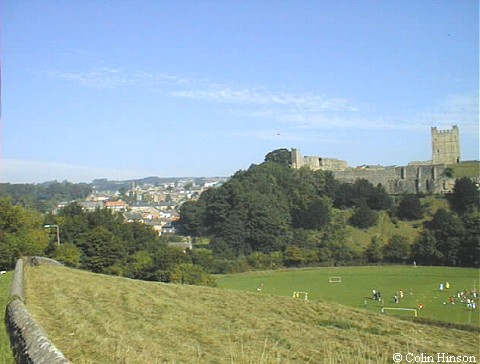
(377, 295)
(468, 298)
(464, 297)
(444, 286)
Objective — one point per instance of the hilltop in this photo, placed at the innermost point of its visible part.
(98, 318)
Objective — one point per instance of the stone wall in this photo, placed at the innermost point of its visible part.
(316, 163)
(402, 179)
(29, 341)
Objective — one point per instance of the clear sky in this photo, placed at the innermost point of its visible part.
(130, 89)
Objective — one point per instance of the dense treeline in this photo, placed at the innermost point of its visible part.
(99, 241)
(273, 215)
(43, 197)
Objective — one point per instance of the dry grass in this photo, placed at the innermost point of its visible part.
(6, 356)
(102, 319)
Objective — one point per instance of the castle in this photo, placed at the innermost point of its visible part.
(416, 177)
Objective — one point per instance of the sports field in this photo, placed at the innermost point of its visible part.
(420, 286)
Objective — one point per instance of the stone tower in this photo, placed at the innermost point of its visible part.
(297, 159)
(445, 146)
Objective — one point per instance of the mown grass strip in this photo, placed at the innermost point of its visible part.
(6, 355)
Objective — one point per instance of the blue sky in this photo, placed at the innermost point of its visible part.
(130, 89)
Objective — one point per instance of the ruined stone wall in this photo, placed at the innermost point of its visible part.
(332, 164)
(316, 163)
(29, 341)
(402, 179)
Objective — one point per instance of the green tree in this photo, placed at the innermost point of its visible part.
(334, 247)
(21, 233)
(280, 156)
(140, 265)
(192, 220)
(166, 258)
(204, 258)
(69, 254)
(374, 252)
(102, 250)
(293, 256)
(363, 217)
(425, 250)
(379, 199)
(268, 223)
(312, 216)
(187, 273)
(449, 233)
(221, 248)
(469, 253)
(410, 208)
(465, 196)
(397, 250)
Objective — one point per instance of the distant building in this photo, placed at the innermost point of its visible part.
(119, 205)
(91, 205)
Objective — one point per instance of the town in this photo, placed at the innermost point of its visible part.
(150, 201)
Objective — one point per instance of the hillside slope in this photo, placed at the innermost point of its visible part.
(103, 319)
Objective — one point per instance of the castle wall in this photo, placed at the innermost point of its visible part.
(332, 164)
(316, 163)
(402, 179)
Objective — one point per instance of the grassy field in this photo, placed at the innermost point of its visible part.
(471, 169)
(6, 356)
(420, 286)
(103, 319)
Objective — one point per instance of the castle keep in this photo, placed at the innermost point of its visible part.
(445, 146)
(416, 177)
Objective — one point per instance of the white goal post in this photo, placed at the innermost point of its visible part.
(300, 294)
(400, 309)
(334, 279)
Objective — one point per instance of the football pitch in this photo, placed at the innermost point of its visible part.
(353, 286)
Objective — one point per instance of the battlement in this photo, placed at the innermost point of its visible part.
(454, 130)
